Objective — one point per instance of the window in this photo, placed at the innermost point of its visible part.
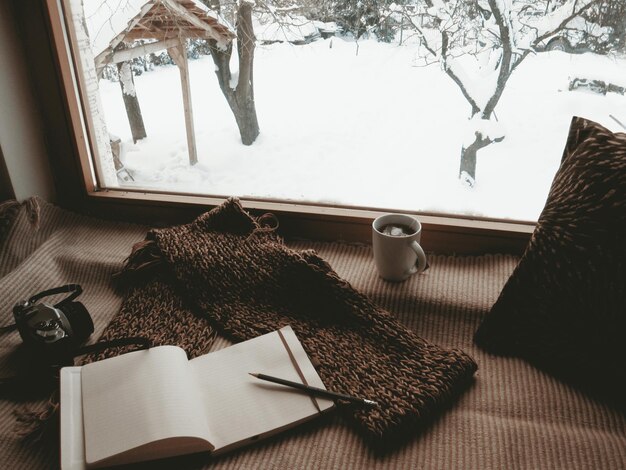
(457, 107)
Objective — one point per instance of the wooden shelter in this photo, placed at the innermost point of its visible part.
(168, 24)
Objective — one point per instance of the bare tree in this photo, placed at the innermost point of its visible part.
(239, 94)
(239, 89)
(498, 35)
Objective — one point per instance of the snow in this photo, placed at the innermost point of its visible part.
(478, 73)
(368, 130)
(290, 28)
(327, 27)
(551, 21)
(126, 78)
(592, 29)
(106, 19)
(487, 128)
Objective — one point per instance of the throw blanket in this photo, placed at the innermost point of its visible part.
(227, 268)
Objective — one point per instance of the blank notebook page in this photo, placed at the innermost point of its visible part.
(240, 406)
(137, 398)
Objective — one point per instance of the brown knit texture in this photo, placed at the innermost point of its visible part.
(513, 417)
(245, 282)
(564, 307)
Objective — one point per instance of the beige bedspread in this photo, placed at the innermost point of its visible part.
(513, 417)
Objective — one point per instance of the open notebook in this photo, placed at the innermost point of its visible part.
(156, 403)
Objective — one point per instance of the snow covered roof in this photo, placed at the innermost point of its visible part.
(110, 22)
(290, 28)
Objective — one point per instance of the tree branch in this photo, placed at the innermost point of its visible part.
(552, 32)
(455, 78)
(507, 55)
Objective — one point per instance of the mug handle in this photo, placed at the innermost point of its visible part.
(421, 263)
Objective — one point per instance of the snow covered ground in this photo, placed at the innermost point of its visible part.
(371, 129)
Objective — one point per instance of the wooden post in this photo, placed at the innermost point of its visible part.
(179, 56)
(131, 102)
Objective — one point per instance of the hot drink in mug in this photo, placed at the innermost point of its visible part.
(395, 242)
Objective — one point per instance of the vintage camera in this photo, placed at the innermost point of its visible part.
(53, 333)
(52, 337)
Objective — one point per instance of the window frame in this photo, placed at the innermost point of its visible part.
(441, 233)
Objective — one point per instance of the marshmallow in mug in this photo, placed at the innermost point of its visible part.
(395, 243)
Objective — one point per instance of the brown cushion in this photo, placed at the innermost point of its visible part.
(564, 307)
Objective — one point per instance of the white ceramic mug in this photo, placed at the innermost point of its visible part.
(398, 256)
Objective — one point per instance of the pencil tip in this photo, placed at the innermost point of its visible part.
(253, 374)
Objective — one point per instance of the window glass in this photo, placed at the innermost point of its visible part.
(451, 107)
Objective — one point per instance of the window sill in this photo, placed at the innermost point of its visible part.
(459, 235)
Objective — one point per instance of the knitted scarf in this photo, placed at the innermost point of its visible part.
(226, 272)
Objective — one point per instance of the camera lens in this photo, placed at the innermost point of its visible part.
(79, 319)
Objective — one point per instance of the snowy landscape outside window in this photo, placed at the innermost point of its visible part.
(439, 106)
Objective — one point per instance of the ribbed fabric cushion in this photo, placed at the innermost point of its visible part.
(564, 306)
(514, 416)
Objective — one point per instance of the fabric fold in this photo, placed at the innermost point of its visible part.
(225, 271)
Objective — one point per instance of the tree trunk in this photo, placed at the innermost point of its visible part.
(467, 170)
(133, 111)
(241, 98)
